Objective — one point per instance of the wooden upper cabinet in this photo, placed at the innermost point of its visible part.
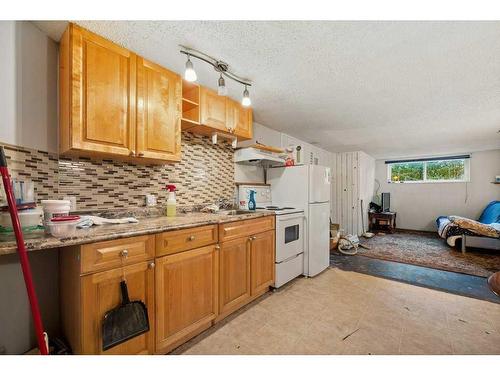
(244, 128)
(212, 109)
(238, 119)
(159, 101)
(97, 83)
(115, 103)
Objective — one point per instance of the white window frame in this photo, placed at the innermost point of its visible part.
(466, 177)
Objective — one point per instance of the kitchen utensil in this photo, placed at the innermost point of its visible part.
(63, 226)
(27, 218)
(124, 322)
(41, 336)
(53, 208)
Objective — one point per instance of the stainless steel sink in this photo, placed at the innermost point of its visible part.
(235, 212)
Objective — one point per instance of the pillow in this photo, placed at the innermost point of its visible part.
(491, 213)
(475, 226)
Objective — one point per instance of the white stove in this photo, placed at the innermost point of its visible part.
(290, 223)
(279, 210)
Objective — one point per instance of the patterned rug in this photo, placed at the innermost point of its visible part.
(429, 250)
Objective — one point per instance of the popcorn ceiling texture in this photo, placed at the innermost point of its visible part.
(205, 173)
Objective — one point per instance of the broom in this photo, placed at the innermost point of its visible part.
(41, 336)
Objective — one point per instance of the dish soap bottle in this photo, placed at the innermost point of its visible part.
(251, 201)
(171, 203)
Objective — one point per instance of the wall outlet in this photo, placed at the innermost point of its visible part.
(150, 200)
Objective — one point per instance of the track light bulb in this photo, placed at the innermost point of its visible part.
(189, 73)
(221, 87)
(245, 101)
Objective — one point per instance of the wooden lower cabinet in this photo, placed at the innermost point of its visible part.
(262, 257)
(100, 293)
(234, 275)
(186, 295)
(185, 292)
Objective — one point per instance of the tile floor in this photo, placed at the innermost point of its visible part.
(446, 281)
(342, 312)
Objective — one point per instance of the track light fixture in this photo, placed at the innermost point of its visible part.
(245, 101)
(189, 73)
(221, 86)
(219, 66)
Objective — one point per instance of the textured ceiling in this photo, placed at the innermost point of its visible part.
(387, 88)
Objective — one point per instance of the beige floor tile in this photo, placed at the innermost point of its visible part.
(476, 343)
(340, 312)
(417, 338)
(373, 339)
(271, 339)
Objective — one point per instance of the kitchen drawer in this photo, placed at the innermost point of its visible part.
(110, 254)
(185, 239)
(229, 231)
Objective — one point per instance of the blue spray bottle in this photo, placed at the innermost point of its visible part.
(251, 201)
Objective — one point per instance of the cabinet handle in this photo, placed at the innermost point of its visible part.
(217, 247)
(191, 238)
(140, 154)
(151, 265)
(132, 153)
(124, 253)
(252, 238)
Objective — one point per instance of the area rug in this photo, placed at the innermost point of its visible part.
(429, 250)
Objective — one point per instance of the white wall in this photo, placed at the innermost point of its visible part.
(8, 81)
(28, 117)
(28, 86)
(270, 137)
(418, 205)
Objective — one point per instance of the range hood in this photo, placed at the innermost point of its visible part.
(256, 156)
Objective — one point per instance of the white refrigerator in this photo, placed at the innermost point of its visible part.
(307, 187)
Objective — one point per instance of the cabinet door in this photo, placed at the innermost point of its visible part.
(158, 112)
(262, 262)
(213, 109)
(234, 275)
(100, 292)
(186, 295)
(243, 124)
(103, 82)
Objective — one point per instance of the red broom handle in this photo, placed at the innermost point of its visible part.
(23, 255)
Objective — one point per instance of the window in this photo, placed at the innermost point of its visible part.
(450, 169)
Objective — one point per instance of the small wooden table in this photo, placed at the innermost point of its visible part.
(382, 221)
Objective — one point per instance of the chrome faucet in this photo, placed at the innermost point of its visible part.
(224, 204)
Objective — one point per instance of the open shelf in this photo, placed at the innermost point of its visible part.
(190, 105)
(186, 123)
(191, 92)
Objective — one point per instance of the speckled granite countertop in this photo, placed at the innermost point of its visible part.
(146, 225)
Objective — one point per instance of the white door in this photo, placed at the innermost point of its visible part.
(319, 184)
(318, 257)
(289, 236)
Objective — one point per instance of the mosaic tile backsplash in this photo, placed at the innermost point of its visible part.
(205, 173)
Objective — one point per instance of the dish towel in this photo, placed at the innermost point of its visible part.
(88, 221)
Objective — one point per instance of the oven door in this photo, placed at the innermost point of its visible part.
(289, 236)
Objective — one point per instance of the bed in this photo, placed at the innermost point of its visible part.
(482, 233)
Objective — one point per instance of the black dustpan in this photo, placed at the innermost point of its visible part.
(124, 322)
